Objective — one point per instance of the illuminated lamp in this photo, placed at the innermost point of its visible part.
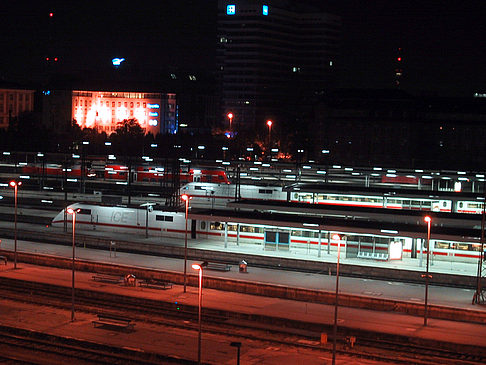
(396, 250)
(117, 61)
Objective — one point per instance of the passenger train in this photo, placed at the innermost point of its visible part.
(277, 235)
(119, 172)
(218, 195)
(158, 174)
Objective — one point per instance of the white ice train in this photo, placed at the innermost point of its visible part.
(372, 243)
(212, 195)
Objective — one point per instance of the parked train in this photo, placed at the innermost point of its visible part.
(270, 234)
(158, 174)
(56, 170)
(218, 195)
(119, 172)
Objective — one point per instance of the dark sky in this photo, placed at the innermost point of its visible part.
(443, 41)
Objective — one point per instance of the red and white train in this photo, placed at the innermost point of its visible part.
(279, 235)
(157, 174)
(56, 170)
(218, 195)
(119, 172)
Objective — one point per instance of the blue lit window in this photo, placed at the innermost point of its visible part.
(231, 9)
(265, 10)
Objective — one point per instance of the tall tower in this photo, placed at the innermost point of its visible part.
(266, 51)
(398, 68)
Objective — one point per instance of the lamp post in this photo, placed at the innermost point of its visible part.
(428, 220)
(230, 117)
(338, 239)
(269, 124)
(15, 185)
(200, 268)
(186, 199)
(238, 346)
(73, 212)
(148, 208)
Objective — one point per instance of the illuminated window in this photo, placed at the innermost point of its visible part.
(131, 104)
(112, 104)
(144, 105)
(231, 9)
(265, 9)
(119, 103)
(126, 104)
(138, 104)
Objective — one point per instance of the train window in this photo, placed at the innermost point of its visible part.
(203, 225)
(251, 229)
(461, 204)
(441, 245)
(85, 211)
(264, 191)
(197, 187)
(216, 226)
(462, 246)
(164, 218)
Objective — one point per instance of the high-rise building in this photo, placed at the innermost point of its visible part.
(269, 54)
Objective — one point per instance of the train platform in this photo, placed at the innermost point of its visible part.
(325, 281)
(153, 338)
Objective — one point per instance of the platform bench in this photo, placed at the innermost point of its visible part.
(373, 255)
(4, 259)
(114, 321)
(107, 278)
(155, 284)
(218, 266)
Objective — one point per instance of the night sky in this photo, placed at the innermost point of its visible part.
(443, 42)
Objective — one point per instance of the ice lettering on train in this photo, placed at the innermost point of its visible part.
(119, 217)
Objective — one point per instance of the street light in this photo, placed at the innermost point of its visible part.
(338, 239)
(428, 220)
(186, 198)
(148, 208)
(15, 185)
(230, 117)
(269, 124)
(200, 268)
(73, 212)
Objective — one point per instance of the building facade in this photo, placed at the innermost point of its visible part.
(104, 110)
(14, 102)
(268, 54)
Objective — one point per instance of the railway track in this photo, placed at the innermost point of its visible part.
(30, 347)
(238, 326)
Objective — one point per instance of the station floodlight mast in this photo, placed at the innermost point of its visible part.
(479, 295)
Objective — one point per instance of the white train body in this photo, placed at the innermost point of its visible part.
(212, 195)
(92, 217)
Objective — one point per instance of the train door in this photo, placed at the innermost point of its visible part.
(193, 228)
(94, 219)
(277, 240)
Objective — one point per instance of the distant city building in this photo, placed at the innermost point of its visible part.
(271, 53)
(389, 128)
(14, 102)
(104, 110)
